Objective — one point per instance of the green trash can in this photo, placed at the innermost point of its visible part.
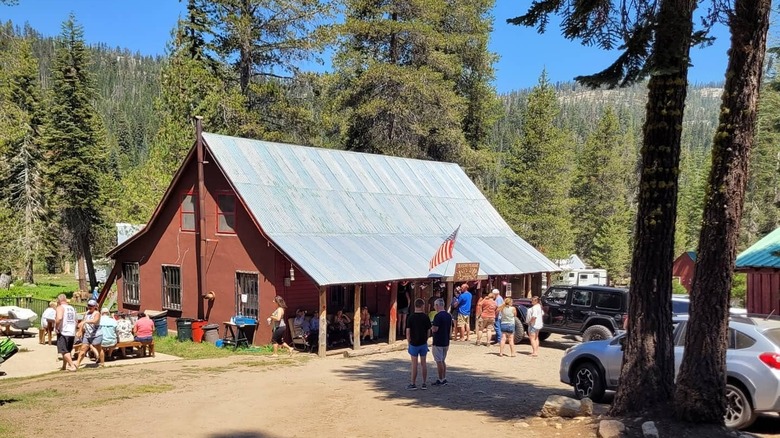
(184, 329)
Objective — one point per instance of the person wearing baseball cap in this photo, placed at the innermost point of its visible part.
(108, 329)
(90, 328)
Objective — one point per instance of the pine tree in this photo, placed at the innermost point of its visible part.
(655, 40)
(600, 198)
(700, 393)
(74, 149)
(534, 193)
(23, 184)
(395, 80)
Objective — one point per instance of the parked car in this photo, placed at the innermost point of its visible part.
(593, 312)
(681, 306)
(752, 363)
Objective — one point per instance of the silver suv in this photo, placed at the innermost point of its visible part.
(752, 364)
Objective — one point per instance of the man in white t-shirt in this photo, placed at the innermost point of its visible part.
(534, 325)
(47, 323)
(65, 324)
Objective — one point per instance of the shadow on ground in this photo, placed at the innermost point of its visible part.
(241, 434)
(484, 390)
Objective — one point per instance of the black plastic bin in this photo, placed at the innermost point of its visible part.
(184, 329)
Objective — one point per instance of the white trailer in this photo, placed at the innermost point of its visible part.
(583, 277)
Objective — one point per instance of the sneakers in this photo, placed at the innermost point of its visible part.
(411, 387)
(444, 382)
(439, 382)
(424, 386)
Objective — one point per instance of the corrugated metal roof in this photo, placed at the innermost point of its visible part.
(348, 217)
(763, 254)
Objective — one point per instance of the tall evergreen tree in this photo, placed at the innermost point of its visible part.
(396, 80)
(600, 198)
(655, 38)
(700, 394)
(762, 200)
(74, 149)
(23, 183)
(534, 192)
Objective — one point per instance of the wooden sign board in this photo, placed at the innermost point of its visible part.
(466, 271)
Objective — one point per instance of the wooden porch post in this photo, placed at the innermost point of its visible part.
(549, 279)
(323, 340)
(393, 313)
(356, 320)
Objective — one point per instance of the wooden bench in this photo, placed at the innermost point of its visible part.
(142, 347)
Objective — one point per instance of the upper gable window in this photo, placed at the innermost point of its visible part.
(187, 212)
(226, 213)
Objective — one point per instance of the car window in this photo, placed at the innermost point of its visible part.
(680, 307)
(679, 334)
(773, 335)
(556, 296)
(608, 301)
(740, 340)
(582, 298)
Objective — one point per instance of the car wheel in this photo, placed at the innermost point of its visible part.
(519, 331)
(543, 336)
(588, 382)
(739, 413)
(596, 333)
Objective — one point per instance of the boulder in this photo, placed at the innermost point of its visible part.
(560, 406)
(649, 430)
(611, 429)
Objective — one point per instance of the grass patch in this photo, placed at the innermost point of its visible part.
(47, 287)
(127, 392)
(32, 399)
(192, 350)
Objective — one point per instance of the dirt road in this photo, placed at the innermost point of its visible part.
(295, 397)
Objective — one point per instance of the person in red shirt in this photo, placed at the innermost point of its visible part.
(143, 328)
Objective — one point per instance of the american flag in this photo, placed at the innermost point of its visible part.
(444, 252)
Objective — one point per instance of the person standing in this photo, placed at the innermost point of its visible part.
(464, 312)
(404, 298)
(278, 326)
(508, 314)
(47, 323)
(487, 314)
(441, 328)
(499, 302)
(418, 329)
(454, 312)
(534, 325)
(65, 324)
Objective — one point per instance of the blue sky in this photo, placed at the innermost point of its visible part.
(145, 26)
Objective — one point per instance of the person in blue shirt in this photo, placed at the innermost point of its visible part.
(499, 302)
(464, 312)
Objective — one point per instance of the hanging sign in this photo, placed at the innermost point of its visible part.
(466, 271)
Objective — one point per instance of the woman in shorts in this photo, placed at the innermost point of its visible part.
(508, 314)
(277, 324)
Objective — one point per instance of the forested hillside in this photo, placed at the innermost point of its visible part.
(558, 160)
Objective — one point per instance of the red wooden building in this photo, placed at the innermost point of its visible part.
(683, 269)
(325, 229)
(761, 263)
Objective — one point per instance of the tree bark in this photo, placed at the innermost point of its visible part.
(28, 272)
(647, 377)
(82, 266)
(87, 252)
(701, 386)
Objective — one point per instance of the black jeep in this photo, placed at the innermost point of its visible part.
(593, 312)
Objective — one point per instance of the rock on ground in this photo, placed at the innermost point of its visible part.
(649, 430)
(560, 406)
(611, 429)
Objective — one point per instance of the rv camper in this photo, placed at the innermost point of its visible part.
(583, 277)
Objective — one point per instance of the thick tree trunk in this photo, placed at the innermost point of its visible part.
(701, 386)
(29, 277)
(82, 266)
(647, 378)
(87, 252)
